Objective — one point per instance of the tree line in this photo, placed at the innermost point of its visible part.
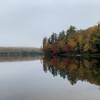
(73, 41)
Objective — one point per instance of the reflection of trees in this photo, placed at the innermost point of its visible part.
(74, 69)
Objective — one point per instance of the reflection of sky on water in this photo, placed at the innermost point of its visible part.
(27, 81)
(26, 22)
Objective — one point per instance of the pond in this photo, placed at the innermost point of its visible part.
(45, 79)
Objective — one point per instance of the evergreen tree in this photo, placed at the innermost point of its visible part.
(61, 35)
(71, 30)
(44, 42)
(53, 37)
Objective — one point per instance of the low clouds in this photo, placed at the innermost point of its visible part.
(26, 22)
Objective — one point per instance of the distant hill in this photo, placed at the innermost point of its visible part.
(19, 52)
(20, 49)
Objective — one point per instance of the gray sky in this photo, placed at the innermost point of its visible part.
(26, 22)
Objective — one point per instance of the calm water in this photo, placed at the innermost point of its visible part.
(40, 80)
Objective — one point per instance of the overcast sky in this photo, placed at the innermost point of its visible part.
(26, 22)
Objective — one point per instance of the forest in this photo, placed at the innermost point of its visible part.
(72, 41)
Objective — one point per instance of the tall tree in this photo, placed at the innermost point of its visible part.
(71, 30)
(44, 42)
(53, 37)
(61, 35)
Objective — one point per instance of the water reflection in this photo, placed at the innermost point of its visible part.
(71, 68)
(27, 80)
(74, 69)
(18, 58)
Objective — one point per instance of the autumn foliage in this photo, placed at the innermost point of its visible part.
(73, 41)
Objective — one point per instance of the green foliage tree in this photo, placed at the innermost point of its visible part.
(53, 37)
(44, 42)
(71, 30)
(49, 41)
(61, 35)
(97, 43)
